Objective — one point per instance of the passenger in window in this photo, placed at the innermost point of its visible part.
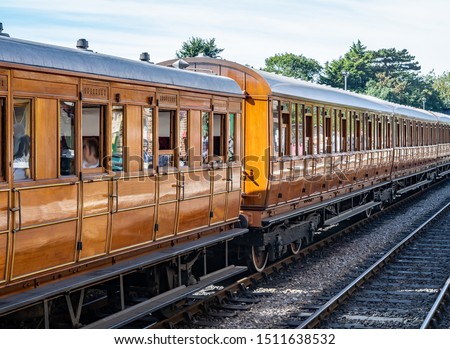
(90, 153)
(21, 163)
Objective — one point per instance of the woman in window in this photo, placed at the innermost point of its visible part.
(90, 153)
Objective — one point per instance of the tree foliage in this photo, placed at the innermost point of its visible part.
(196, 46)
(296, 66)
(356, 62)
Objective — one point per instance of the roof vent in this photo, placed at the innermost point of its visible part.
(82, 44)
(145, 57)
(180, 64)
(1, 31)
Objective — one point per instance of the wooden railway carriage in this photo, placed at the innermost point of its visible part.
(316, 155)
(167, 169)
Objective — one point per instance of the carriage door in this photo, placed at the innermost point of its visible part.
(4, 195)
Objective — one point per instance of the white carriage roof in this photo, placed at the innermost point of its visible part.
(291, 87)
(84, 61)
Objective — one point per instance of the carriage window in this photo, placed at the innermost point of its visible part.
(276, 129)
(337, 133)
(300, 130)
(67, 138)
(183, 134)
(327, 131)
(231, 137)
(117, 138)
(293, 148)
(92, 123)
(147, 138)
(22, 139)
(309, 128)
(369, 133)
(166, 137)
(219, 137)
(388, 133)
(343, 133)
(205, 137)
(2, 139)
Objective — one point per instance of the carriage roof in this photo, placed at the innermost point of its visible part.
(84, 61)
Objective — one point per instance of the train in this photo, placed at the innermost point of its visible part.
(122, 180)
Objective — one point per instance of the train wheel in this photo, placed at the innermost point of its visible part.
(259, 259)
(295, 247)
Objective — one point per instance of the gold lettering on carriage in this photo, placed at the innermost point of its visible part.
(96, 92)
(3, 83)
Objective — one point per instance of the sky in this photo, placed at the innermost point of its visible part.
(249, 31)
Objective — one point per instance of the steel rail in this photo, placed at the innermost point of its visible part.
(325, 310)
(434, 311)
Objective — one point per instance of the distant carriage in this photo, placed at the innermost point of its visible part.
(316, 155)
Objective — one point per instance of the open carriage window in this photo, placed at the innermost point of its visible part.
(93, 144)
(166, 137)
(67, 138)
(22, 139)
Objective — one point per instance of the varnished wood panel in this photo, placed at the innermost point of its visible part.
(48, 204)
(192, 102)
(3, 255)
(193, 214)
(46, 138)
(43, 248)
(45, 87)
(3, 83)
(136, 192)
(166, 220)
(233, 205)
(256, 152)
(196, 184)
(133, 138)
(4, 210)
(94, 236)
(167, 187)
(129, 94)
(219, 178)
(219, 207)
(132, 227)
(95, 197)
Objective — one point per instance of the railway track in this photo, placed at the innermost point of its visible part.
(230, 298)
(261, 288)
(399, 289)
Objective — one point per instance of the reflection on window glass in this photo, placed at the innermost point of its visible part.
(90, 132)
(276, 130)
(67, 138)
(22, 138)
(231, 136)
(300, 130)
(184, 151)
(117, 138)
(205, 136)
(147, 136)
(293, 150)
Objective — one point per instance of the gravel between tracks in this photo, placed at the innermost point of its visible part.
(320, 273)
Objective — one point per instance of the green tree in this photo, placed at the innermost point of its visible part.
(296, 66)
(407, 89)
(356, 62)
(441, 85)
(394, 63)
(195, 46)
